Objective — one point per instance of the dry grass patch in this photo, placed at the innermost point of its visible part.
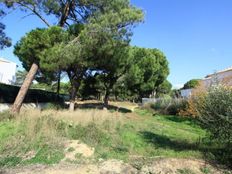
(79, 116)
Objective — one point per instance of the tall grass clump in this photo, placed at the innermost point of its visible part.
(29, 139)
(6, 115)
(214, 110)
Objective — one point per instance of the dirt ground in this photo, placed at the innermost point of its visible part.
(157, 166)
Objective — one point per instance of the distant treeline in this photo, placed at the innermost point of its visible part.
(9, 92)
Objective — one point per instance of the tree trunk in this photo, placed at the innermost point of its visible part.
(24, 88)
(72, 98)
(58, 87)
(106, 98)
(75, 86)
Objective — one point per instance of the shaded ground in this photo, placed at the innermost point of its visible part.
(122, 107)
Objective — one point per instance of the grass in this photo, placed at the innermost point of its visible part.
(185, 171)
(125, 136)
(156, 136)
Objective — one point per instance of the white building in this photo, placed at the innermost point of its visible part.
(186, 93)
(221, 77)
(7, 71)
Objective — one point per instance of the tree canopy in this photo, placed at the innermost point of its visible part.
(148, 70)
(191, 84)
(91, 44)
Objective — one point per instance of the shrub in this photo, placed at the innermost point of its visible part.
(169, 106)
(215, 115)
(197, 98)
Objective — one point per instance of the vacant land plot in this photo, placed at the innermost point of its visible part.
(136, 137)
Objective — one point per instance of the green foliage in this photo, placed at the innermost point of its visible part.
(32, 47)
(105, 39)
(215, 114)
(191, 84)
(169, 106)
(47, 154)
(20, 77)
(64, 87)
(10, 161)
(205, 170)
(148, 71)
(164, 88)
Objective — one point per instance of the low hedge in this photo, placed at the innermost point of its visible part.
(8, 94)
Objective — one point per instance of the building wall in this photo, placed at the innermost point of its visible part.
(186, 93)
(7, 72)
(219, 78)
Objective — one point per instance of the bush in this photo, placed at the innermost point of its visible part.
(169, 106)
(215, 115)
(196, 99)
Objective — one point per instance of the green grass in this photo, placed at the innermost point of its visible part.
(152, 136)
(149, 136)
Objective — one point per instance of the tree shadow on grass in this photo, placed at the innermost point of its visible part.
(181, 119)
(101, 106)
(162, 141)
(213, 154)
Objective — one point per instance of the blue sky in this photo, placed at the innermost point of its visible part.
(195, 35)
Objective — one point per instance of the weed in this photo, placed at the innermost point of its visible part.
(71, 149)
(184, 171)
(47, 155)
(10, 161)
(78, 155)
(205, 170)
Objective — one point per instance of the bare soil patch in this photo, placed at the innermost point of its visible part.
(157, 166)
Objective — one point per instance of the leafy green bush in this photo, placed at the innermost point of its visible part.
(215, 114)
(169, 106)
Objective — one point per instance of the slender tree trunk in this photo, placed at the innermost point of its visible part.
(58, 86)
(106, 98)
(116, 97)
(72, 99)
(75, 86)
(24, 88)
